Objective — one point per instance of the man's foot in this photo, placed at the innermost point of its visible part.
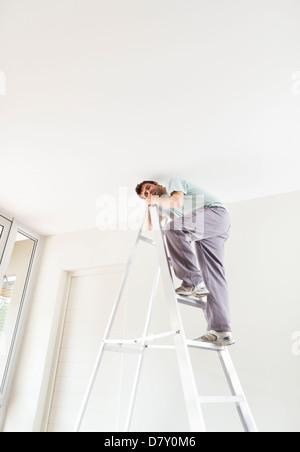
(198, 291)
(222, 339)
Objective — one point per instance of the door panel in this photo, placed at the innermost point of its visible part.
(89, 304)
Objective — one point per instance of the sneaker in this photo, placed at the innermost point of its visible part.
(222, 339)
(198, 291)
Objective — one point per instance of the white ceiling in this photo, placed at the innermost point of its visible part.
(101, 94)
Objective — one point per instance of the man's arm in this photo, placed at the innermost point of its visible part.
(149, 222)
(175, 201)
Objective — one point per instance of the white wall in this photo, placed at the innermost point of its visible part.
(263, 272)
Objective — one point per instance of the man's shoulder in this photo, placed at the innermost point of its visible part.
(177, 181)
(176, 184)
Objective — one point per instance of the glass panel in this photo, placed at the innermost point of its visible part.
(11, 298)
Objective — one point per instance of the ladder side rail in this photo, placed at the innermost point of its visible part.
(142, 352)
(190, 391)
(236, 389)
(97, 364)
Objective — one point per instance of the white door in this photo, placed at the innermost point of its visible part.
(89, 304)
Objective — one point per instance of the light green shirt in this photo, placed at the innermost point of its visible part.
(195, 197)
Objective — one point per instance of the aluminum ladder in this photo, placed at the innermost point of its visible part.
(181, 345)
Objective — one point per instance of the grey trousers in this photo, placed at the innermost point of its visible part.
(209, 229)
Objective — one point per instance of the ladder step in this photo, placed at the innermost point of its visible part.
(121, 341)
(195, 303)
(141, 340)
(205, 346)
(122, 349)
(190, 343)
(222, 399)
(145, 239)
(162, 347)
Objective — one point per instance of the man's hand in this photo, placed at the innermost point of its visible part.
(175, 201)
(152, 200)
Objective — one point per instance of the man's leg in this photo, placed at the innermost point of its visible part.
(210, 253)
(209, 228)
(210, 250)
(183, 257)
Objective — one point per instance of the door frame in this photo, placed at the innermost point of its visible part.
(63, 295)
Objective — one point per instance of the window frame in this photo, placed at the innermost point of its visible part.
(16, 342)
(6, 223)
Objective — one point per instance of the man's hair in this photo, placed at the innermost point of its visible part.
(138, 188)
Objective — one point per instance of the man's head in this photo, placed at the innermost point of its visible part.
(149, 188)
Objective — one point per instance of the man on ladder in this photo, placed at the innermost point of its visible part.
(208, 226)
(191, 214)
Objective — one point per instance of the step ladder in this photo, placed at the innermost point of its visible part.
(181, 345)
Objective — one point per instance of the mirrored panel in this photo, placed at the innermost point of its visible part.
(12, 298)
